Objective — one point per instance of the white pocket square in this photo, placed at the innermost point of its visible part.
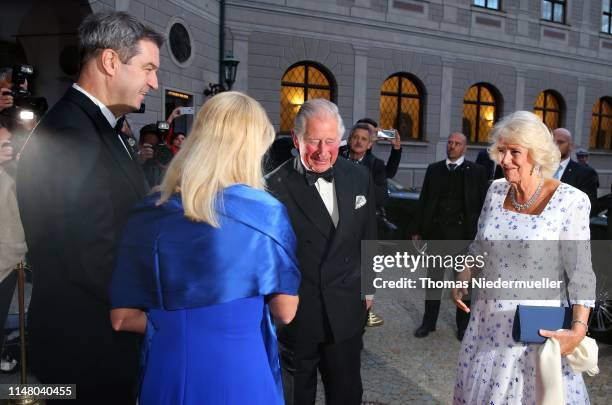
(360, 201)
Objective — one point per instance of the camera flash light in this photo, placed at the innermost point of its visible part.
(26, 115)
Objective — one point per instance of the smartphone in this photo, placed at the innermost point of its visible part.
(186, 110)
(386, 134)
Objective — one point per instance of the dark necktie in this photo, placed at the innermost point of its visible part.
(452, 166)
(312, 177)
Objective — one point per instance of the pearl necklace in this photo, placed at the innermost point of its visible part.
(521, 207)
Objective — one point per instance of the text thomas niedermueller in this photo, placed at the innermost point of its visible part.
(481, 282)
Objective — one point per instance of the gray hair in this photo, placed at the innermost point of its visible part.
(118, 31)
(317, 107)
(364, 126)
(5, 72)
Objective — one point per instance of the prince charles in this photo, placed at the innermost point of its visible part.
(331, 205)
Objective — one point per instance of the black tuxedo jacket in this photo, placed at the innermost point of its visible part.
(583, 178)
(331, 302)
(475, 182)
(76, 184)
(379, 176)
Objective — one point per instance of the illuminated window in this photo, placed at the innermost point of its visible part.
(606, 17)
(401, 101)
(492, 4)
(302, 81)
(601, 124)
(480, 111)
(554, 10)
(548, 107)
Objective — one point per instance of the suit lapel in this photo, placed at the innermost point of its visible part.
(345, 196)
(129, 167)
(568, 173)
(308, 199)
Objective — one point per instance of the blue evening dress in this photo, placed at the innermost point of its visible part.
(210, 338)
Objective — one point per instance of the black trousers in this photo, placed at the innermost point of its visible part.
(339, 365)
(433, 297)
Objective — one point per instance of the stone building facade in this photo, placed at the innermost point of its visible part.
(444, 46)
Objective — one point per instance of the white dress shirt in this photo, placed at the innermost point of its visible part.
(327, 191)
(458, 162)
(562, 167)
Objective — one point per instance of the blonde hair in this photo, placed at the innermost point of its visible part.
(230, 135)
(527, 130)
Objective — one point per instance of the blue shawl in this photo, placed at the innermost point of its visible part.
(166, 261)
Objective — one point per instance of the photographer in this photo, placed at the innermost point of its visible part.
(16, 101)
(153, 154)
(12, 239)
(6, 85)
(174, 140)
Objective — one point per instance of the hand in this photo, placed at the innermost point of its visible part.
(145, 152)
(369, 304)
(396, 142)
(457, 294)
(5, 101)
(568, 339)
(175, 113)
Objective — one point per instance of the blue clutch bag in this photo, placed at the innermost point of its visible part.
(529, 319)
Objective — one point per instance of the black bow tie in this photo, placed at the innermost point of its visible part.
(312, 177)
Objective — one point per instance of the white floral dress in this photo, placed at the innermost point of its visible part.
(493, 369)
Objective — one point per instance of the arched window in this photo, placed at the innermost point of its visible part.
(302, 81)
(401, 105)
(601, 124)
(481, 108)
(549, 107)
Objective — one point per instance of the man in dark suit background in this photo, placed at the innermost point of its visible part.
(451, 199)
(572, 172)
(494, 171)
(359, 143)
(77, 181)
(331, 204)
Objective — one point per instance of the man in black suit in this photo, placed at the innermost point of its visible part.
(359, 143)
(77, 182)
(572, 172)
(494, 171)
(331, 204)
(451, 199)
(395, 155)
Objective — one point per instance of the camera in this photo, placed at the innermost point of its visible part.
(25, 106)
(386, 134)
(161, 153)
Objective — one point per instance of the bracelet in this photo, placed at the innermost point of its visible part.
(581, 323)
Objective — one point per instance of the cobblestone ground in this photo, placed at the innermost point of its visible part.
(398, 368)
